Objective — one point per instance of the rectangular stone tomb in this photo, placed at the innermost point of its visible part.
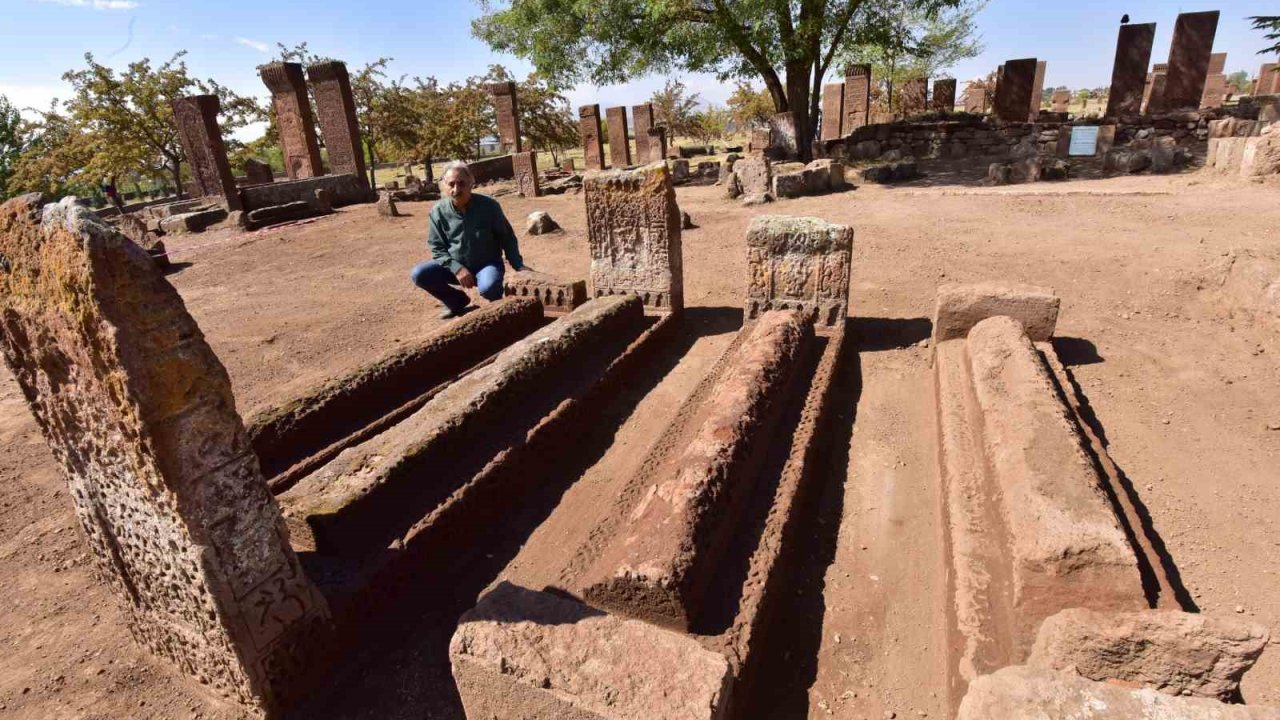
(370, 494)
(662, 561)
(314, 427)
(1029, 521)
(556, 295)
(343, 190)
(796, 263)
(139, 413)
(633, 230)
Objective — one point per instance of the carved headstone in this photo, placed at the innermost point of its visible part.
(525, 165)
(336, 111)
(642, 120)
(857, 97)
(832, 111)
(256, 172)
(293, 118)
(592, 142)
(566, 165)
(913, 96)
(1189, 59)
(197, 119)
(975, 99)
(507, 108)
(1215, 91)
(755, 176)
(657, 144)
(782, 136)
(1013, 89)
(1037, 91)
(760, 139)
(139, 413)
(944, 95)
(1128, 83)
(619, 146)
(799, 263)
(633, 229)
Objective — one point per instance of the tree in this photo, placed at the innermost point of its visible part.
(908, 41)
(127, 118)
(1238, 82)
(546, 120)
(712, 123)
(676, 109)
(749, 106)
(11, 142)
(54, 157)
(789, 45)
(1271, 23)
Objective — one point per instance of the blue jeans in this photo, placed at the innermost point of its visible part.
(440, 281)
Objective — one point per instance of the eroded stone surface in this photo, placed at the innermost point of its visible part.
(293, 118)
(960, 307)
(755, 176)
(642, 119)
(336, 113)
(589, 132)
(857, 97)
(139, 413)
(507, 107)
(1013, 90)
(944, 95)
(799, 263)
(619, 147)
(1023, 693)
(555, 294)
(913, 95)
(1189, 53)
(633, 230)
(533, 655)
(525, 165)
(1175, 652)
(832, 110)
(196, 117)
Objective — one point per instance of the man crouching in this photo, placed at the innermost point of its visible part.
(468, 234)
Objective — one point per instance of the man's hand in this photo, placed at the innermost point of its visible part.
(465, 278)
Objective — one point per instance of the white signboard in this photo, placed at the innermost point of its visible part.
(1084, 140)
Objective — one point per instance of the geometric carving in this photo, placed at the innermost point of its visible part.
(525, 165)
(1128, 75)
(633, 230)
(799, 263)
(293, 119)
(336, 112)
(914, 94)
(139, 413)
(857, 98)
(944, 95)
(196, 117)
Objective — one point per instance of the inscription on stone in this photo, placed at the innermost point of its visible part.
(857, 97)
(832, 110)
(525, 165)
(799, 263)
(196, 117)
(507, 109)
(633, 230)
(336, 112)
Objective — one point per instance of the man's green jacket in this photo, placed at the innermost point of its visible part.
(474, 238)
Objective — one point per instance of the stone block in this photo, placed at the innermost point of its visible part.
(944, 95)
(526, 654)
(857, 98)
(633, 231)
(657, 144)
(756, 175)
(1037, 91)
(1019, 692)
(555, 294)
(196, 118)
(287, 212)
(1189, 59)
(366, 497)
(619, 145)
(1174, 652)
(190, 222)
(913, 95)
(661, 562)
(817, 177)
(525, 167)
(799, 263)
(1261, 155)
(832, 111)
(789, 185)
(491, 169)
(679, 169)
(257, 172)
(642, 120)
(297, 128)
(345, 189)
(506, 107)
(178, 520)
(960, 307)
(540, 222)
(783, 144)
(336, 114)
(386, 206)
(590, 133)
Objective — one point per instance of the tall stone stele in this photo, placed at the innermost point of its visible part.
(507, 107)
(642, 120)
(1128, 74)
(944, 95)
(1014, 82)
(1189, 55)
(138, 412)
(633, 231)
(293, 119)
(590, 133)
(619, 146)
(857, 98)
(196, 119)
(336, 111)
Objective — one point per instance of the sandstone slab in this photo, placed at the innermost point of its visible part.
(960, 307)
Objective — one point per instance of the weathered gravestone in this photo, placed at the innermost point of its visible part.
(642, 120)
(619, 146)
(914, 94)
(256, 172)
(589, 131)
(1037, 91)
(799, 263)
(782, 136)
(657, 144)
(633, 230)
(196, 117)
(857, 97)
(832, 111)
(755, 178)
(1189, 59)
(525, 165)
(139, 413)
(1133, 52)
(336, 112)
(293, 118)
(944, 95)
(975, 99)
(1268, 80)
(506, 107)
(1013, 89)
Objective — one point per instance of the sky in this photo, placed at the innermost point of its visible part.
(226, 40)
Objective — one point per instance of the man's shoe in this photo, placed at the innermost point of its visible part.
(449, 314)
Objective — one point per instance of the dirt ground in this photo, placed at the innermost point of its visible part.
(1182, 376)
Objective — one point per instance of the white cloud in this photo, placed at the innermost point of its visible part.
(34, 96)
(97, 4)
(255, 44)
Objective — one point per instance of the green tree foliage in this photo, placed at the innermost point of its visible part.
(11, 142)
(713, 123)
(1271, 25)
(749, 106)
(789, 45)
(676, 109)
(1238, 82)
(907, 40)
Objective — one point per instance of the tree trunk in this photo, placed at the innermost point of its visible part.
(798, 101)
(373, 162)
(176, 166)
